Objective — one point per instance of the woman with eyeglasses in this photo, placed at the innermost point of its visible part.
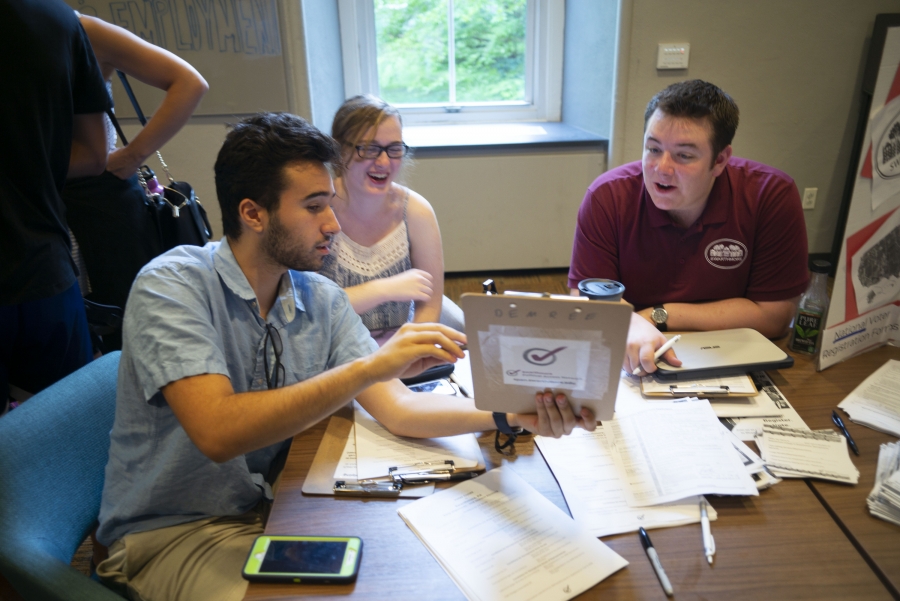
(388, 255)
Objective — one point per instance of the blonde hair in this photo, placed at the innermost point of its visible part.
(355, 118)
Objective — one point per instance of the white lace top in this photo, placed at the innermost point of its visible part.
(351, 264)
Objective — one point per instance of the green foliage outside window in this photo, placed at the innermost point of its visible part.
(413, 58)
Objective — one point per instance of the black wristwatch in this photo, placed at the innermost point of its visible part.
(660, 316)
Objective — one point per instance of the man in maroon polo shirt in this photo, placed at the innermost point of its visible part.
(702, 240)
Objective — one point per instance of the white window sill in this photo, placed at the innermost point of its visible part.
(426, 139)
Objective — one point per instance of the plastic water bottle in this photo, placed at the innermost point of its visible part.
(811, 313)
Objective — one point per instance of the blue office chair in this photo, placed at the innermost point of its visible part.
(53, 452)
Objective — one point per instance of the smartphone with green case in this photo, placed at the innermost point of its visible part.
(301, 559)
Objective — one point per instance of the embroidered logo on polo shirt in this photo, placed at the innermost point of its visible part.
(726, 253)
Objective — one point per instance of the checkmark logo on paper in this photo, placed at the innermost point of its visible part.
(541, 356)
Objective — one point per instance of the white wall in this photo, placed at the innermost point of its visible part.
(512, 211)
(794, 67)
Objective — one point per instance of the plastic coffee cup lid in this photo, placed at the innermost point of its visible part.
(600, 287)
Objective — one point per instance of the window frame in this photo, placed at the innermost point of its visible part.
(543, 68)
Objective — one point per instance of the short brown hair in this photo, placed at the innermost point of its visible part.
(698, 99)
(251, 162)
(356, 117)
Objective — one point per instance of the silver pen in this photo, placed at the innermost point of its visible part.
(659, 352)
(709, 543)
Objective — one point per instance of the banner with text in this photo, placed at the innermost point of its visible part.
(865, 303)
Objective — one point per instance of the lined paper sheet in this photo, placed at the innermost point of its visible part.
(377, 450)
(675, 450)
(583, 465)
(501, 540)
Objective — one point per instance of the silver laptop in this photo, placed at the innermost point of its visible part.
(723, 353)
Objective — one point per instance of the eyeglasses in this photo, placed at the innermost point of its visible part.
(373, 151)
(275, 373)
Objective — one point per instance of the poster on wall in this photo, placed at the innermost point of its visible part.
(865, 303)
(235, 45)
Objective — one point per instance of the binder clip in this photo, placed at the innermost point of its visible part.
(693, 390)
(342, 488)
(428, 471)
(397, 477)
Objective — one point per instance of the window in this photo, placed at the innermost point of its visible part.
(456, 61)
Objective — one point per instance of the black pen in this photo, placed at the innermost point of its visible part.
(840, 424)
(654, 561)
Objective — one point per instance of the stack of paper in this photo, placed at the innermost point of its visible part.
(744, 415)
(584, 468)
(675, 450)
(876, 402)
(884, 500)
(594, 487)
(796, 453)
(499, 539)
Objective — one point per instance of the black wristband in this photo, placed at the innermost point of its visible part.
(504, 428)
(503, 424)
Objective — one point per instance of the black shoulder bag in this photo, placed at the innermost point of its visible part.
(180, 218)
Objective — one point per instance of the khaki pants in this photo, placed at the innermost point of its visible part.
(194, 561)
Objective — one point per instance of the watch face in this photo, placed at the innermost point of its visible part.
(659, 315)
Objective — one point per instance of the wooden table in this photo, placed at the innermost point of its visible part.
(784, 544)
(815, 395)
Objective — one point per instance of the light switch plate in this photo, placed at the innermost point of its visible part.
(673, 56)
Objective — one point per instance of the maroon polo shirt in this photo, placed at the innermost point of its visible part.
(749, 242)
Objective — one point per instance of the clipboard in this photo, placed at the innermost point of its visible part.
(723, 353)
(400, 482)
(321, 481)
(522, 343)
(656, 388)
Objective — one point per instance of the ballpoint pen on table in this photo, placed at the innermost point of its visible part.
(654, 561)
(840, 424)
(659, 352)
(709, 543)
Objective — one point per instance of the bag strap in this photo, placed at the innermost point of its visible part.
(140, 115)
(131, 96)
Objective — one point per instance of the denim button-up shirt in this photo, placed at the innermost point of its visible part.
(191, 311)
